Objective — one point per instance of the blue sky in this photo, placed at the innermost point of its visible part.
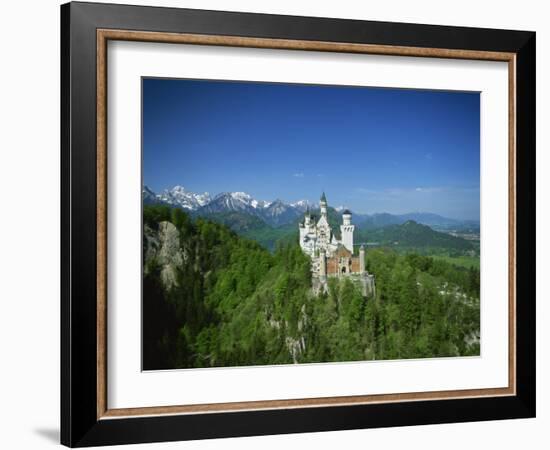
(370, 149)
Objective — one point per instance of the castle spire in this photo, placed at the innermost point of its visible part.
(323, 204)
(307, 217)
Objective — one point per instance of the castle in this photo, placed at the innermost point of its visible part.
(332, 257)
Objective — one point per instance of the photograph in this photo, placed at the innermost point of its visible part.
(300, 223)
(278, 223)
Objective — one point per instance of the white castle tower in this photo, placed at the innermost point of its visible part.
(323, 205)
(306, 225)
(346, 230)
(324, 233)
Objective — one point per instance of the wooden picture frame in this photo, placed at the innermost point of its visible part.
(86, 418)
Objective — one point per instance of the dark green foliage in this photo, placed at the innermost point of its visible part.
(238, 221)
(424, 307)
(159, 324)
(236, 303)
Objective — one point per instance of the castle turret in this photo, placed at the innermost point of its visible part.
(323, 205)
(346, 230)
(307, 219)
(362, 259)
(346, 217)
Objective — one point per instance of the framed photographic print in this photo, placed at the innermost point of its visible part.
(276, 224)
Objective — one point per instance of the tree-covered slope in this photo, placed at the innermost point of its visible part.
(237, 221)
(213, 298)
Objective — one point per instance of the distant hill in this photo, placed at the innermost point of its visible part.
(379, 220)
(430, 219)
(412, 235)
(406, 235)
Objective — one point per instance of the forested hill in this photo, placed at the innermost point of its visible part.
(213, 298)
(412, 235)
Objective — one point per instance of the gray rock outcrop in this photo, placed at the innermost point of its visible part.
(164, 248)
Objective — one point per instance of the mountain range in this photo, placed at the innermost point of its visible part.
(274, 213)
(278, 213)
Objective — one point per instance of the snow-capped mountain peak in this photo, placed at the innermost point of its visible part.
(242, 196)
(242, 199)
(260, 204)
(179, 196)
(276, 212)
(301, 205)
